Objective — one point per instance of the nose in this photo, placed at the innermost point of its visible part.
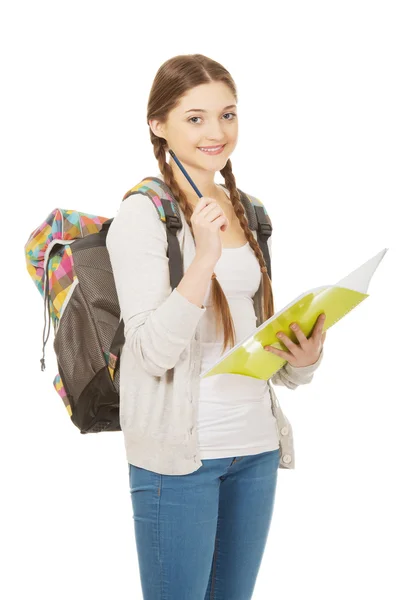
(216, 133)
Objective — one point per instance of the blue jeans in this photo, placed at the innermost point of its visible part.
(201, 536)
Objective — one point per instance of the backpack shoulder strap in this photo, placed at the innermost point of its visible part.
(161, 196)
(168, 212)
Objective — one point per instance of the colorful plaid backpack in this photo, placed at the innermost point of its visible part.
(68, 260)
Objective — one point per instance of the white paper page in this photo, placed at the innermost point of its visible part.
(359, 279)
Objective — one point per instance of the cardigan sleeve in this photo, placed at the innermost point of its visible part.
(159, 324)
(292, 377)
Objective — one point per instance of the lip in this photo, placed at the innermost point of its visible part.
(212, 152)
(211, 147)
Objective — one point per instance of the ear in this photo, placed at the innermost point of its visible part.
(157, 128)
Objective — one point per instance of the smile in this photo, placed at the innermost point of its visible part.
(215, 150)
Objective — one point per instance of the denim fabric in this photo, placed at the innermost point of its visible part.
(201, 536)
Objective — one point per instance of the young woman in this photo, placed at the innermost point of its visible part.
(203, 454)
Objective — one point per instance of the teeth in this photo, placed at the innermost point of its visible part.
(211, 149)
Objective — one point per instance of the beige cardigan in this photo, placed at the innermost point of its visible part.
(160, 362)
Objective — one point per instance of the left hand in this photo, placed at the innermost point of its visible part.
(307, 351)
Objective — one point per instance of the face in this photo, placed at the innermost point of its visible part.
(188, 130)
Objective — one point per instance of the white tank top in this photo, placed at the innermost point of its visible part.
(234, 412)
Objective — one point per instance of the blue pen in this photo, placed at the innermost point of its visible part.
(186, 174)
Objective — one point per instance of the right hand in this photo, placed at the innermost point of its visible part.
(207, 220)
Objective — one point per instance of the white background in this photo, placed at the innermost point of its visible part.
(318, 86)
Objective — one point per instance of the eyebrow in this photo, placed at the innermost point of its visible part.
(203, 111)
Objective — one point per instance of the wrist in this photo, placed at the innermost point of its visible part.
(204, 263)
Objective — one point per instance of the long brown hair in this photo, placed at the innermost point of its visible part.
(173, 79)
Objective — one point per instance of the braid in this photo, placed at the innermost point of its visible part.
(159, 145)
(230, 182)
(218, 297)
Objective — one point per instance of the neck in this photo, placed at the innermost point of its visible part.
(204, 181)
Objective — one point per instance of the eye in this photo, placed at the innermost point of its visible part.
(231, 113)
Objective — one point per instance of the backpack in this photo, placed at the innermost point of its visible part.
(68, 261)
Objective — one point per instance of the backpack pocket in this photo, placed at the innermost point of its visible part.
(77, 346)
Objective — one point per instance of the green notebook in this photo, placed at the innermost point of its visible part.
(248, 356)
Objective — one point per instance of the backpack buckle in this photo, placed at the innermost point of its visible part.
(173, 222)
(265, 229)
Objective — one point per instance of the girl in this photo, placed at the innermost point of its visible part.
(203, 454)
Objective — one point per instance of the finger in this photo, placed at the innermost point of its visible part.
(281, 353)
(318, 327)
(292, 346)
(295, 327)
(211, 211)
(201, 203)
(323, 337)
